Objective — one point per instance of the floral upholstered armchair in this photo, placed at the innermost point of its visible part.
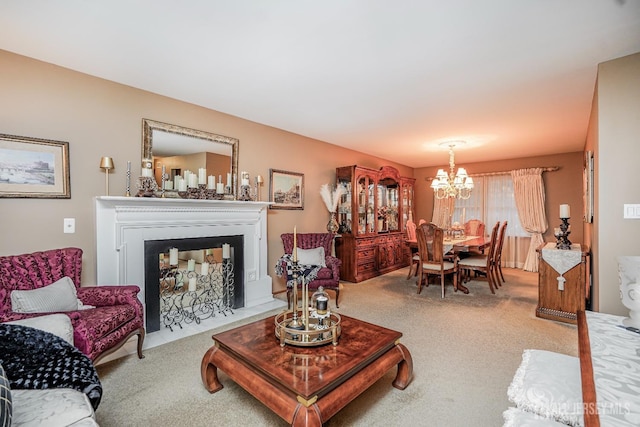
(327, 275)
(41, 283)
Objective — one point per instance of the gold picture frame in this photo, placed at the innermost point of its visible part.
(34, 168)
(286, 189)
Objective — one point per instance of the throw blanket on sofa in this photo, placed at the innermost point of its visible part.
(35, 359)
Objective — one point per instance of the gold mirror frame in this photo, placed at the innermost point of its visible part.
(148, 126)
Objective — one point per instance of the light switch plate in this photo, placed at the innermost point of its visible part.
(631, 211)
(69, 225)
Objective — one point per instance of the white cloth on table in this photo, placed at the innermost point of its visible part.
(562, 260)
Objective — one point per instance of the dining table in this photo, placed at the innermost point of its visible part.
(459, 244)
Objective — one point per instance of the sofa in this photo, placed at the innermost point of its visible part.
(41, 283)
(44, 379)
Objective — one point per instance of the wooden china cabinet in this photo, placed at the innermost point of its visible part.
(373, 216)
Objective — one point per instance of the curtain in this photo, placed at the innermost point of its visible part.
(443, 211)
(528, 189)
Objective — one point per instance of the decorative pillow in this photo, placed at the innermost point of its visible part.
(549, 384)
(57, 324)
(58, 296)
(313, 256)
(5, 400)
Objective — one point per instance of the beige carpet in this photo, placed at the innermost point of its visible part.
(465, 351)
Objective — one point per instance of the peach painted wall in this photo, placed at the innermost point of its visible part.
(101, 118)
(561, 186)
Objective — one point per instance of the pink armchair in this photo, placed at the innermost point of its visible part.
(329, 276)
(117, 316)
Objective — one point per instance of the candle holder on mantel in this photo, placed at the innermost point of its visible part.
(562, 235)
(312, 326)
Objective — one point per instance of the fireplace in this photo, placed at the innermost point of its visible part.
(180, 292)
(125, 225)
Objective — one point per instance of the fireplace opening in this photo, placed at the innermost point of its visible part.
(192, 279)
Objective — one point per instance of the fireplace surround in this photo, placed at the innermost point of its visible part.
(124, 224)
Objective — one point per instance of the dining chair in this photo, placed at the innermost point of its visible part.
(431, 247)
(474, 227)
(483, 263)
(497, 257)
(415, 256)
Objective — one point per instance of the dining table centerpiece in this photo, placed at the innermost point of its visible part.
(331, 198)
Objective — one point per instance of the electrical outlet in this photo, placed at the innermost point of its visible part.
(69, 225)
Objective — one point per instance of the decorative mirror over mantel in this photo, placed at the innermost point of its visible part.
(179, 148)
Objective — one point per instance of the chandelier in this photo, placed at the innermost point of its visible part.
(458, 185)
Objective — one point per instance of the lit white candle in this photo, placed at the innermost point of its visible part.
(173, 256)
(226, 251)
(204, 268)
(565, 211)
(211, 182)
(192, 284)
(202, 176)
(191, 265)
(295, 244)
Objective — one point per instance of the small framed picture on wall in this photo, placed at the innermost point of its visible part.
(286, 189)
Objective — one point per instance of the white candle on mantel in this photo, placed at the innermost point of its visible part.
(193, 180)
(220, 188)
(173, 256)
(183, 185)
(565, 211)
(204, 268)
(226, 251)
(211, 182)
(146, 172)
(191, 265)
(202, 176)
(192, 284)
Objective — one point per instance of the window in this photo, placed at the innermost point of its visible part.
(491, 200)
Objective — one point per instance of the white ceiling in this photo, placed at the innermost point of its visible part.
(388, 78)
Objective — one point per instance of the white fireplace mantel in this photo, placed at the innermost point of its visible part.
(123, 224)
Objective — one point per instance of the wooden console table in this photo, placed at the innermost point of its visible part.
(562, 279)
(306, 385)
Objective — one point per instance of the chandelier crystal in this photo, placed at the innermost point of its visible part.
(458, 184)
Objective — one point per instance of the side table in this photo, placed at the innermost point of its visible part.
(562, 282)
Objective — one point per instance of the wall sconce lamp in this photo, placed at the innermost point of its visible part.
(106, 163)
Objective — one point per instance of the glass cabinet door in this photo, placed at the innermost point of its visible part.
(344, 207)
(387, 211)
(407, 205)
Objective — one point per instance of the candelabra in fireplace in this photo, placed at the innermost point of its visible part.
(192, 295)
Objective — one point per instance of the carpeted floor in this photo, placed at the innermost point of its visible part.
(465, 351)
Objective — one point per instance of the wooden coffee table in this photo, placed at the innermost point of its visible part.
(306, 385)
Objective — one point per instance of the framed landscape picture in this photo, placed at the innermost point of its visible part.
(34, 168)
(286, 189)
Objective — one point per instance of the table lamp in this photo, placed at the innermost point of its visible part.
(106, 163)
